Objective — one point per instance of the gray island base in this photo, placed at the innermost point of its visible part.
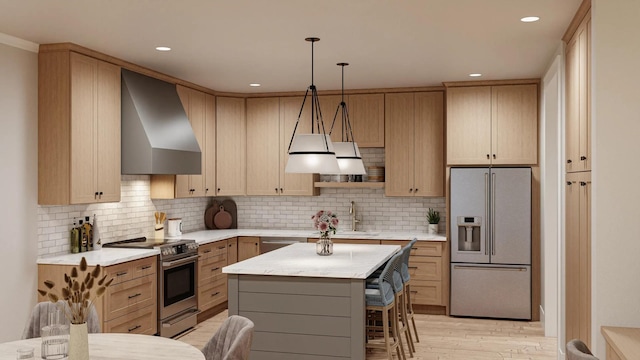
(305, 306)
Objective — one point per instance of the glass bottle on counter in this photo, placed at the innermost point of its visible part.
(83, 236)
(88, 227)
(74, 238)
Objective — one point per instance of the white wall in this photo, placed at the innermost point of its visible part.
(550, 155)
(18, 170)
(616, 170)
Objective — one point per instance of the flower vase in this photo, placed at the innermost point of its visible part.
(324, 246)
(78, 342)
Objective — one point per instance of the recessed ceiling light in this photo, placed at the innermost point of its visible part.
(475, 75)
(254, 85)
(163, 48)
(530, 19)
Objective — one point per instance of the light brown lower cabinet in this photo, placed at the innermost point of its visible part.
(427, 269)
(248, 247)
(212, 283)
(130, 304)
(426, 266)
(578, 257)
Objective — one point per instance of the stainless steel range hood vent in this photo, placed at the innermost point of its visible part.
(157, 137)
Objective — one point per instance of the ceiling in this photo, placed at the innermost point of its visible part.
(227, 44)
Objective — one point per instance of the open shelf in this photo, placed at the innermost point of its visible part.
(354, 185)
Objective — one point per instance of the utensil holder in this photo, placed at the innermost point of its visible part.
(159, 232)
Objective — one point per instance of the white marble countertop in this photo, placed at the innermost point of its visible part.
(113, 256)
(207, 236)
(350, 261)
(104, 257)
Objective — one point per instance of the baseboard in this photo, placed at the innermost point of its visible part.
(430, 309)
(207, 314)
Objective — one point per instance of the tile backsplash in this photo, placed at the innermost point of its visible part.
(133, 215)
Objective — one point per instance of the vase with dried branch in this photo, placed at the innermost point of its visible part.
(80, 291)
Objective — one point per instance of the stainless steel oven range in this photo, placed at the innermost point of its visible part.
(177, 274)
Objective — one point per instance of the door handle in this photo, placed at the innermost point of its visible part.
(486, 213)
(460, 267)
(493, 214)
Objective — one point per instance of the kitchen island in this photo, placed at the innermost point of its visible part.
(306, 306)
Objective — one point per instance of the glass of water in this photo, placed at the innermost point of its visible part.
(24, 353)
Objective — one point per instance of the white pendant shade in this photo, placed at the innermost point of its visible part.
(349, 158)
(312, 154)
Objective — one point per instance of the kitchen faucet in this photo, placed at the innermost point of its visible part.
(354, 221)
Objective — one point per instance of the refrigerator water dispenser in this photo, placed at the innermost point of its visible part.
(469, 233)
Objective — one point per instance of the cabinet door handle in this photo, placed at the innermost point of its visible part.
(95, 195)
(215, 293)
(134, 296)
(568, 182)
(221, 247)
(123, 273)
(206, 190)
(410, 190)
(218, 189)
(146, 267)
(582, 183)
(583, 158)
(415, 190)
(281, 191)
(494, 156)
(276, 190)
(134, 328)
(488, 157)
(569, 161)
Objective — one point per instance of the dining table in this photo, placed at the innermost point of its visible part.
(114, 346)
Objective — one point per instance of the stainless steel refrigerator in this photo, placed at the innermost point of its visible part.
(490, 227)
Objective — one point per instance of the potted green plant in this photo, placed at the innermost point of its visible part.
(433, 217)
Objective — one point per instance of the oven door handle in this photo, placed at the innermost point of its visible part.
(179, 262)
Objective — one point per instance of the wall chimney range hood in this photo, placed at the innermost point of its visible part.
(157, 137)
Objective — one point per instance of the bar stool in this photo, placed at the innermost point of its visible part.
(381, 298)
(401, 302)
(406, 277)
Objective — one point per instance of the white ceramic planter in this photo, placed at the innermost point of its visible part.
(432, 229)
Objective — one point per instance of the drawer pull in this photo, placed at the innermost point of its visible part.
(134, 296)
(123, 273)
(146, 267)
(413, 267)
(134, 328)
(215, 268)
(207, 251)
(221, 247)
(216, 293)
(414, 291)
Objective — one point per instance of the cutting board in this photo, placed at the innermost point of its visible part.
(213, 209)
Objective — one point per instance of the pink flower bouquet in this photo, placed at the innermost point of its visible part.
(326, 222)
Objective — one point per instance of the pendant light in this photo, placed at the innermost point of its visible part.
(347, 152)
(312, 153)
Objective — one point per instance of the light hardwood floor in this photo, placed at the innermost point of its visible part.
(449, 338)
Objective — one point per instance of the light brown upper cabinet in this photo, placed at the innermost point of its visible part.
(78, 129)
(200, 109)
(492, 125)
(366, 115)
(578, 104)
(414, 132)
(270, 123)
(231, 132)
